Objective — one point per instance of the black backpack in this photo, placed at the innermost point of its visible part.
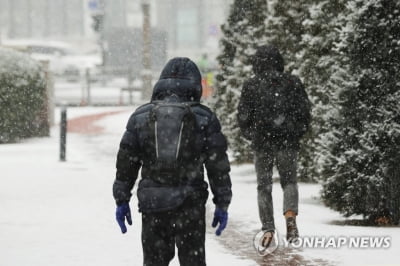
(173, 141)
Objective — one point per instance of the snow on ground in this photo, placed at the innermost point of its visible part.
(62, 213)
(107, 92)
(314, 220)
(76, 94)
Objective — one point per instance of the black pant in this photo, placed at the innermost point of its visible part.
(183, 227)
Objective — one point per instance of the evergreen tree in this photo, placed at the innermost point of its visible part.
(323, 71)
(361, 165)
(285, 29)
(242, 33)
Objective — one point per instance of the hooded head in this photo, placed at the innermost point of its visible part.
(267, 58)
(180, 79)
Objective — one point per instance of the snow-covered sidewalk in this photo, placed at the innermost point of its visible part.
(62, 213)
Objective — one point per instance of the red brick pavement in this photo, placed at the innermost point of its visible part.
(86, 124)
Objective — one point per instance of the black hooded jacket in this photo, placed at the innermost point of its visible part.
(274, 108)
(180, 81)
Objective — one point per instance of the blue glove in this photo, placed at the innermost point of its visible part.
(123, 211)
(221, 218)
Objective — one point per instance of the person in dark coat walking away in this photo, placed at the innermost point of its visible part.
(274, 113)
(171, 139)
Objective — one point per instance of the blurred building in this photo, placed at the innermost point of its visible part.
(193, 26)
(190, 24)
(36, 19)
(181, 27)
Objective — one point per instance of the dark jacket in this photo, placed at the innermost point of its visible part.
(180, 81)
(269, 91)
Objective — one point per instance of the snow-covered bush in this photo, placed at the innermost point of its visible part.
(22, 97)
(323, 70)
(361, 163)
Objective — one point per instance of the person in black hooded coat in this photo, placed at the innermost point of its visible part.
(274, 113)
(174, 214)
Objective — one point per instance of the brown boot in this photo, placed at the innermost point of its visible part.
(292, 233)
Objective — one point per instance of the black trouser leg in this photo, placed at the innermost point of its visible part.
(286, 162)
(158, 239)
(264, 162)
(190, 235)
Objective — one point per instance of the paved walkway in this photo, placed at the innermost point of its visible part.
(237, 240)
(87, 124)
